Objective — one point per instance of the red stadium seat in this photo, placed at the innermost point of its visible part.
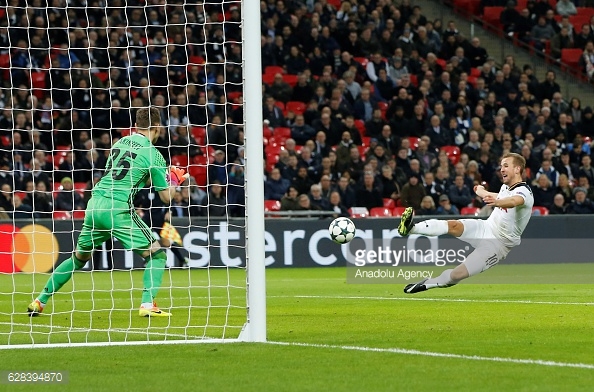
(273, 149)
(233, 95)
(491, 17)
(280, 105)
(290, 79)
(200, 174)
(539, 210)
(272, 205)
(5, 141)
(273, 69)
(389, 203)
(362, 60)
(268, 79)
(196, 60)
(199, 134)
(475, 72)
(362, 151)
(78, 214)
(295, 107)
(360, 125)
(414, 142)
(398, 211)
(282, 132)
(358, 212)
(380, 212)
(570, 60)
(470, 211)
(62, 215)
(179, 160)
(453, 153)
(80, 187)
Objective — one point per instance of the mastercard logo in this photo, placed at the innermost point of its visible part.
(31, 248)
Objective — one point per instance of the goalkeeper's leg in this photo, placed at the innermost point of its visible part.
(152, 280)
(59, 278)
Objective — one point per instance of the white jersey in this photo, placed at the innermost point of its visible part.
(508, 224)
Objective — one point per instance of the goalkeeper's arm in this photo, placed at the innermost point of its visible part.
(176, 177)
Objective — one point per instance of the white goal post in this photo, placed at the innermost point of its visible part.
(219, 294)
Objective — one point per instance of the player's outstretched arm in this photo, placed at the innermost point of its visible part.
(482, 192)
(175, 178)
(506, 202)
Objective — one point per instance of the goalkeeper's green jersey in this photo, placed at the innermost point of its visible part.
(132, 159)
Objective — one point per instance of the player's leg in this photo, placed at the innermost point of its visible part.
(179, 258)
(473, 231)
(90, 237)
(134, 234)
(430, 227)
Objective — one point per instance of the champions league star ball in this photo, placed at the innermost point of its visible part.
(342, 230)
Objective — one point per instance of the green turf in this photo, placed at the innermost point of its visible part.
(313, 306)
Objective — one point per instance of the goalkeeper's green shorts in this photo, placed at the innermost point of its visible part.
(106, 218)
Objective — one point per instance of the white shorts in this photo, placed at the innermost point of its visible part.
(488, 249)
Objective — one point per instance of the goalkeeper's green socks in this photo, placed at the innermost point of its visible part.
(60, 277)
(153, 276)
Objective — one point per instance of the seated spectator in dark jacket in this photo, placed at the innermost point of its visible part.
(459, 193)
(217, 171)
(543, 193)
(336, 205)
(440, 136)
(346, 192)
(275, 186)
(445, 207)
(427, 207)
(302, 182)
(304, 204)
(581, 205)
(20, 210)
(289, 201)
(300, 131)
(68, 199)
(558, 207)
(316, 198)
(215, 202)
(412, 193)
(273, 113)
(368, 195)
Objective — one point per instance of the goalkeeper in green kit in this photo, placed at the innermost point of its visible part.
(110, 211)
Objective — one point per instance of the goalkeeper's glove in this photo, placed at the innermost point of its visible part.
(177, 176)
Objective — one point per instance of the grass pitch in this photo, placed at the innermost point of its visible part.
(327, 335)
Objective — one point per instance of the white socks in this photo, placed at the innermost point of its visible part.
(443, 280)
(147, 305)
(431, 227)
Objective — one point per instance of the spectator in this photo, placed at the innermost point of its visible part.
(279, 89)
(440, 136)
(558, 207)
(336, 205)
(412, 193)
(389, 185)
(544, 192)
(20, 210)
(346, 192)
(581, 205)
(302, 182)
(217, 171)
(547, 169)
(368, 195)
(583, 182)
(445, 207)
(459, 193)
(566, 8)
(427, 207)
(564, 188)
(215, 202)
(304, 204)
(541, 33)
(43, 205)
(275, 186)
(273, 113)
(561, 40)
(301, 132)
(289, 201)
(317, 199)
(67, 198)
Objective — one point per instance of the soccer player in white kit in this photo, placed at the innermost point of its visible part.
(492, 238)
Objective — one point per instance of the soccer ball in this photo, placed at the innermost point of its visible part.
(342, 230)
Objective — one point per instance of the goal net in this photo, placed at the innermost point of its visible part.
(73, 76)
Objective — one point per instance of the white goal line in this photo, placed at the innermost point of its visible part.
(487, 301)
(404, 351)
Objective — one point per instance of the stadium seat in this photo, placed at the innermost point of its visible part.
(380, 212)
(358, 212)
(470, 211)
(398, 211)
(539, 210)
(414, 142)
(62, 215)
(362, 151)
(280, 105)
(78, 214)
(196, 60)
(273, 149)
(283, 132)
(453, 153)
(199, 134)
(475, 72)
(360, 125)
(295, 107)
(233, 95)
(200, 173)
(414, 80)
(570, 60)
(365, 141)
(272, 205)
(268, 79)
(103, 76)
(290, 79)
(179, 160)
(277, 140)
(585, 12)
(389, 203)
(361, 60)
(80, 187)
(274, 69)
(491, 17)
(5, 141)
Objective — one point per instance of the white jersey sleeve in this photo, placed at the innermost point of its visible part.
(508, 224)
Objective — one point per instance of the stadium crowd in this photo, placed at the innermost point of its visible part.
(366, 104)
